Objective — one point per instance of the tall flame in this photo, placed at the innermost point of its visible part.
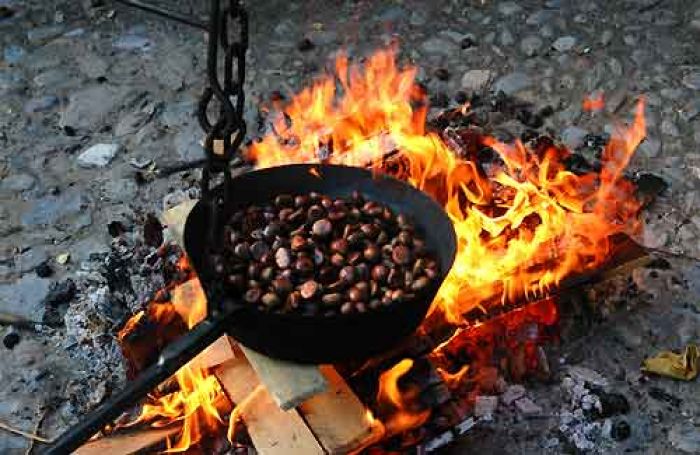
(520, 231)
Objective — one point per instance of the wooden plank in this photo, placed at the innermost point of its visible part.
(217, 353)
(126, 443)
(338, 418)
(290, 384)
(272, 430)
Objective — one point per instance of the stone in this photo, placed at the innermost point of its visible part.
(18, 182)
(439, 46)
(606, 37)
(685, 437)
(186, 143)
(475, 80)
(10, 82)
(24, 298)
(30, 259)
(692, 80)
(40, 104)
(527, 406)
(531, 45)
(132, 42)
(583, 374)
(120, 190)
(540, 17)
(92, 66)
(564, 43)
(13, 54)
(691, 110)
(485, 405)
(52, 209)
(512, 83)
(650, 147)
(98, 155)
(506, 38)
(509, 8)
(40, 34)
(512, 393)
(669, 128)
(91, 107)
(573, 137)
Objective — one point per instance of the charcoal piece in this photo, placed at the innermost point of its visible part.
(11, 338)
(527, 118)
(612, 404)
(649, 186)
(152, 231)
(620, 430)
(305, 45)
(660, 394)
(546, 111)
(60, 293)
(461, 97)
(659, 264)
(467, 42)
(116, 228)
(43, 270)
(442, 74)
(440, 99)
(577, 164)
(69, 131)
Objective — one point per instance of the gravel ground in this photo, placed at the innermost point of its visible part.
(92, 91)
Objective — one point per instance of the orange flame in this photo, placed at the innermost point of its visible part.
(199, 402)
(520, 231)
(401, 417)
(593, 103)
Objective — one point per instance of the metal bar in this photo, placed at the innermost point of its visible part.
(172, 15)
(171, 359)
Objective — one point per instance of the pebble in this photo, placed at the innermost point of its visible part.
(98, 155)
(583, 374)
(573, 137)
(512, 393)
(564, 43)
(131, 42)
(669, 128)
(606, 37)
(475, 80)
(30, 259)
(512, 83)
(18, 182)
(40, 34)
(509, 8)
(485, 405)
(13, 54)
(439, 46)
(506, 38)
(692, 80)
(40, 104)
(685, 437)
(531, 45)
(527, 406)
(650, 147)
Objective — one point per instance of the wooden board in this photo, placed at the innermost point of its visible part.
(126, 443)
(272, 430)
(174, 219)
(289, 383)
(337, 417)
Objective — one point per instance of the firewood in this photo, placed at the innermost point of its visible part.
(338, 418)
(126, 443)
(272, 430)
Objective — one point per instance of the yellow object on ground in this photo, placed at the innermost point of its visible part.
(683, 366)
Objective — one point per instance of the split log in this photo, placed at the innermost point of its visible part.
(338, 418)
(272, 430)
(126, 443)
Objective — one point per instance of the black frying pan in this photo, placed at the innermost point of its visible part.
(290, 336)
(329, 339)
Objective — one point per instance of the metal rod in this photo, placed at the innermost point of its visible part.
(172, 15)
(173, 357)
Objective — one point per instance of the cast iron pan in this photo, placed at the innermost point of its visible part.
(293, 337)
(328, 339)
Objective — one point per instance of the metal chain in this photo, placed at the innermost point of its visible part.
(225, 134)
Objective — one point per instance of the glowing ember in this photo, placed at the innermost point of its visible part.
(594, 102)
(520, 231)
(400, 402)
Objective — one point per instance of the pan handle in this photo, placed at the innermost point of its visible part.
(171, 359)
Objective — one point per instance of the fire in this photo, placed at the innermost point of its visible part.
(521, 229)
(199, 403)
(595, 102)
(401, 416)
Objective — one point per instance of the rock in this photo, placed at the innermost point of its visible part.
(120, 190)
(573, 137)
(18, 182)
(40, 34)
(57, 300)
(692, 80)
(10, 82)
(91, 107)
(509, 8)
(531, 45)
(612, 404)
(53, 209)
(25, 297)
(30, 259)
(527, 406)
(564, 43)
(540, 17)
(99, 155)
(606, 37)
(650, 147)
(620, 430)
(506, 38)
(669, 128)
(685, 437)
(484, 406)
(475, 80)
(132, 42)
(11, 338)
(92, 66)
(13, 54)
(186, 143)
(691, 110)
(440, 46)
(583, 374)
(512, 393)
(512, 83)
(40, 104)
